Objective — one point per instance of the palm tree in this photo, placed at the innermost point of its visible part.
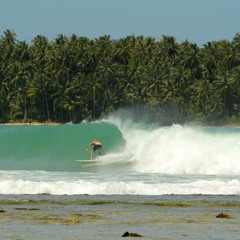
(93, 89)
(40, 51)
(223, 88)
(169, 90)
(171, 48)
(20, 75)
(234, 82)
(202, 90)
(211, 59)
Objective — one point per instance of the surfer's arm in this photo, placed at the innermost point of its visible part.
(89, 145)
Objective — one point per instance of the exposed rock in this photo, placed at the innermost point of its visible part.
(222, 215)
(2, 211)
(27, 209)
(127, 234)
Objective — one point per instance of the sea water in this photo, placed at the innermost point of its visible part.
(161, 182)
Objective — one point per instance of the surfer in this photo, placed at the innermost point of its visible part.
(96, 146)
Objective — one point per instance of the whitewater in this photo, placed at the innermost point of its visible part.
(141, 159)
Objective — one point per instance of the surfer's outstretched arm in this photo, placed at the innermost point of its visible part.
(89, 145)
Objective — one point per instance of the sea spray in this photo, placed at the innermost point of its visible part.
(180, 149)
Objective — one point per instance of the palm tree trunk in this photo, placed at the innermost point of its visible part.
(46, 100)
(25, 108)
(94, 102)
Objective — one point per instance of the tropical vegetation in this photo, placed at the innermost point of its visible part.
(70, 79)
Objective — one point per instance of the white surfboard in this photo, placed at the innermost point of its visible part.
(87, 161)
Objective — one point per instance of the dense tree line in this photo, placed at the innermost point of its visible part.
(74, 78)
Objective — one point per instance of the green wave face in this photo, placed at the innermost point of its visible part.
(53, 148)
(130, 147)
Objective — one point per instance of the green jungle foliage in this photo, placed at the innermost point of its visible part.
(75, 78)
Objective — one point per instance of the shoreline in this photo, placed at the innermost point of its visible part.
(236, 125)
(231, 126)
(31, 124)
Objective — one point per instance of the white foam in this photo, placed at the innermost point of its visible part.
(180, 149)
(107, 184)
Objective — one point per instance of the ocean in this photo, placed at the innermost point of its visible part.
(160, 182)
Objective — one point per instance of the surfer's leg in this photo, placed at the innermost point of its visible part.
(98, 148)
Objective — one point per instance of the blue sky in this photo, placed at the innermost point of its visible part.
(199, 21)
